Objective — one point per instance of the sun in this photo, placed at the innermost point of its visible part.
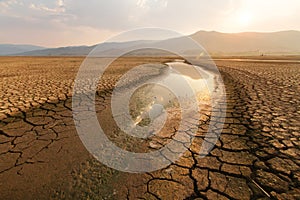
(244, 18)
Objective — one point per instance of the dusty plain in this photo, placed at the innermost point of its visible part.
(42, 157)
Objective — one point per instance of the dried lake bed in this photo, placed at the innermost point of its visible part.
(41, 155)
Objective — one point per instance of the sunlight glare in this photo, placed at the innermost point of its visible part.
(245, 18)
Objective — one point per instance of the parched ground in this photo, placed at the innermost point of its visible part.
(42, 157)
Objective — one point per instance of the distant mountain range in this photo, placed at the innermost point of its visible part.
(276, 42)
(216, 43)
(7, 49)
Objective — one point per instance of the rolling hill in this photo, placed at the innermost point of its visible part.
(275, 42)
(216, 43)
(7, 49)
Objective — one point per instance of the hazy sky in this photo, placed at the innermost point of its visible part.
(55, 23)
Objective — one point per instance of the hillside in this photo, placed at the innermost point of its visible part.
(216, 43)
(7, 49)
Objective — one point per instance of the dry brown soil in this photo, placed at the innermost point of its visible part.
(42, 157)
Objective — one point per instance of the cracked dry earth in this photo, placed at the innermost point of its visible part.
(42, 157)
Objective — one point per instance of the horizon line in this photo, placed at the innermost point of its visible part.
(90, 45)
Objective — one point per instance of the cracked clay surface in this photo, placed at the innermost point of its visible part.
(42, 157)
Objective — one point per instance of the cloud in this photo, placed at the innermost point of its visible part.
(150, 4)
(6, 5)
(76, 19)
(60, 3)
(58, 8)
